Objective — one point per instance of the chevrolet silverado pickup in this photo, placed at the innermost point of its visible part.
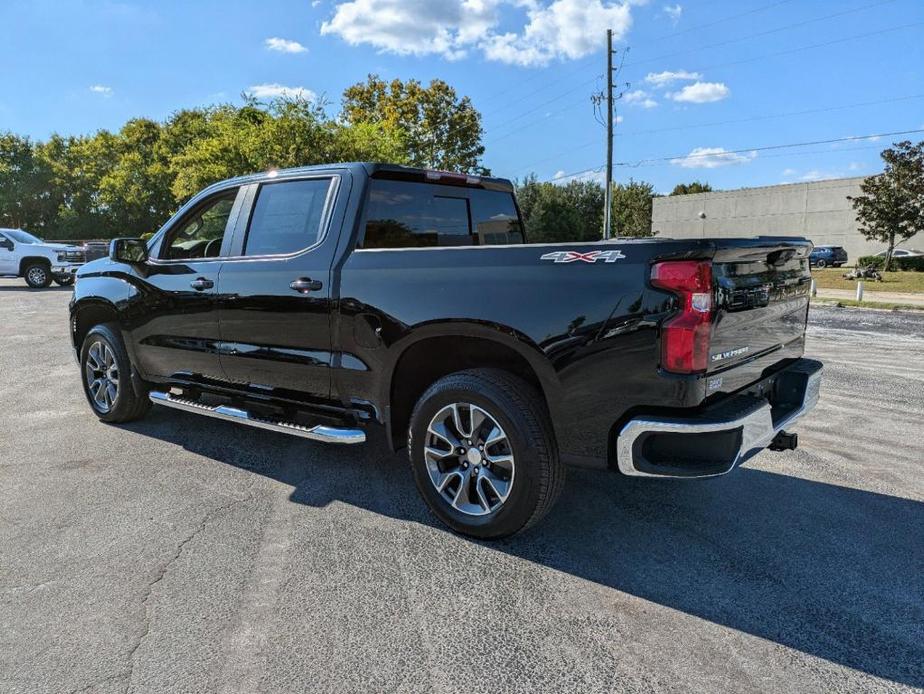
(325, 301)
(36, 261)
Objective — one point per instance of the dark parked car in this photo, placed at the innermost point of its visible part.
(321, 302)
(828, 256)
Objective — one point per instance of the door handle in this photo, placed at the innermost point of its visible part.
(201, 283)
(303, 285)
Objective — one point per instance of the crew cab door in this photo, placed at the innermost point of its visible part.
(177, 337)
(8, 263)
(276, 291)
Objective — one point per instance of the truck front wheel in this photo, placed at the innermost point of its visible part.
(108, 384)
(38, 275)
(483, 453)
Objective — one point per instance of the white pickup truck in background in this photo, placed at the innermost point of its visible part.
(39, 263)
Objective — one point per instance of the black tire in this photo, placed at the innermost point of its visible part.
(64, 280)
(37, 275)
(821, 263)
(520, 411)
(131, 399)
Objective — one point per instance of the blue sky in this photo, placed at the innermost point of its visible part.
(708, 77)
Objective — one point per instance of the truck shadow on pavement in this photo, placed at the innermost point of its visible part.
(834, 572)
(25, 288)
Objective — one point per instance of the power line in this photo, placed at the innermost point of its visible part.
(765, 148)
(722, 20)
(733, 121)
(710, 67)
(759, 34)
(811, 46)
(581, 67)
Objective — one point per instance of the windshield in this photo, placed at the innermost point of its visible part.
(21, 236)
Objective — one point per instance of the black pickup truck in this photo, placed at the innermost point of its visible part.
(322, 301)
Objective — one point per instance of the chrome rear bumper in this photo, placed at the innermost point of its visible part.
(724, 436)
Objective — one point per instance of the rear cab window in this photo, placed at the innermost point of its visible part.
(287, 217)
(406, 214)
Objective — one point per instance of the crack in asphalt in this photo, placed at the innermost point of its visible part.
(162, 572)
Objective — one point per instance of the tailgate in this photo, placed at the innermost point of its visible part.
(761, 303)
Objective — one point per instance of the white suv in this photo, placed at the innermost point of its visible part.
(27, 256)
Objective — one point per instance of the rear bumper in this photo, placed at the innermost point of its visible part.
(724, 435)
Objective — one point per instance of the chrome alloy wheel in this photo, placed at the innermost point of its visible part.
(37, 275)
(469, 459)
(102, 374)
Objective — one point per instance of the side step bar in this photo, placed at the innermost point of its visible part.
(318, 432)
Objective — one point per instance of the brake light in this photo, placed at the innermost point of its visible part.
(685, 337)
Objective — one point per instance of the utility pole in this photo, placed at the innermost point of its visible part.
(608, 191)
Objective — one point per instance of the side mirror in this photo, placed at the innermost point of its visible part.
(7, 244)
(128, 250)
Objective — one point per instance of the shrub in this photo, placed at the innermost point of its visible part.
(915, 264)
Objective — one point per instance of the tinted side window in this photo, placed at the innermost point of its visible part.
(200, 233)
(287, 217)
(402, 214)
(495, 218)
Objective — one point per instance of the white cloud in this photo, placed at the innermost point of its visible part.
(854, 166)
(557, 30)
(101, 89)
(315, 3)
(821, 175)
(662, 79)
(284, 45)
(673, 12)
(789, 172)
(618, 119)
(595, 176)
(639, 97)
(701, 93)
(275, 91)
(712, 158)
(563, 29)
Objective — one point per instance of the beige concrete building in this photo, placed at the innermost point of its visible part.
(818, 210)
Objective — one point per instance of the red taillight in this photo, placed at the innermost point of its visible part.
(685, 337)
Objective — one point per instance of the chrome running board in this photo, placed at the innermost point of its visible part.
(319, 432)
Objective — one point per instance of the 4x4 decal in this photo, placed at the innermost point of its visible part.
(589, 257)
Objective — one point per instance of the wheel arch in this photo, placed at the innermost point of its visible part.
(33, 260)
(87, 312)
(436, 350)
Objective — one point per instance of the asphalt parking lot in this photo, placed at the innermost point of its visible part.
(182, 554)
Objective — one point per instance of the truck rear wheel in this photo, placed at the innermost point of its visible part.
(483, 453)
(64, 280)
(38, 275)
(108, 384)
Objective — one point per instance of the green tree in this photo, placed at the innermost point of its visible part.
(25, 200)
(135, 192)
(632, 208)
(441, 130)
(553, 218)
(228, 141)
(891, 208)
(583, 200)
(691, 188)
